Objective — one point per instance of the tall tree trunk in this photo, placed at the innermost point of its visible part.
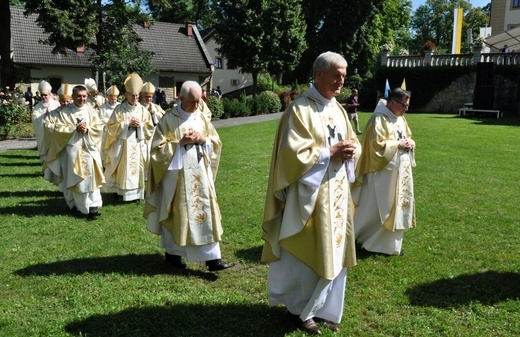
(7, 73)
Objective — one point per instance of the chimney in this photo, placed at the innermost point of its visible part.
(80, 49)
(189, 28)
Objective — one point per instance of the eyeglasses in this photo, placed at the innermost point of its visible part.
(403, 104)
(44, 95)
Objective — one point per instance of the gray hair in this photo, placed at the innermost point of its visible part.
(188, 86)
(325, 60)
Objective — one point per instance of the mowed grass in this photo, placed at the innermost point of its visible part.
(64, 276)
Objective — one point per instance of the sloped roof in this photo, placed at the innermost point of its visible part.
(173, 50)
(510, 37)
(25, 34)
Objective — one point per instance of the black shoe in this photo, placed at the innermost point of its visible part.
(175, 260)
(309, 325)
(93, 213)
(326, 323)
(401, 253)
(137, 202)
(216, 265)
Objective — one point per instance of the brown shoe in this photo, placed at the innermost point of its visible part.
(309, 325)
(326, 323)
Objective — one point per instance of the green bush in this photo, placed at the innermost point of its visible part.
(13, 111)
(216, 106)
(268, 102)
(236, 108)
(266, 82)
(342, 97)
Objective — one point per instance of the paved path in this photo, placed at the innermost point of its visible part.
(30, 143)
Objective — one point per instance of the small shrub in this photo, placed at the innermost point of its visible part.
(342, 97)
(216, 106)
(13, 111)
(268, 102)
(236, 108)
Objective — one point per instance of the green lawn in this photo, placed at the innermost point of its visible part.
(64, 276)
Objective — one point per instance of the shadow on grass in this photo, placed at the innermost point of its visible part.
(187, 320)
(486, 288)
(252, 254)
(148, 264)
(21, 175)
(31, 194)
(53, 205)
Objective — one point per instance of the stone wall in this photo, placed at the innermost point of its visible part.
(453, 97)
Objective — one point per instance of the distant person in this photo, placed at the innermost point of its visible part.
(65, 95)
(95, 99)
(155, 110)
(28, 95)
(505, 49)
(181, 202)
(129, 130)
(74, 153)
(384, 193)
(41, 111)
(352, 105)
(307, 224)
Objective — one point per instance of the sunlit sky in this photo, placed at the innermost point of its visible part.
(475, 3)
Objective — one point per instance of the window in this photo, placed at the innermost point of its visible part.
(218, 62)
(516, 3)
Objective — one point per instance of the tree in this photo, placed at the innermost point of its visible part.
(120, 54)
(434, 21)
(339, 26)
(107, 27)
(202, 12)
(252, 36)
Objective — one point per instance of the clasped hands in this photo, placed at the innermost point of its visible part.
(406, 144)
(192, 137)
(82, 127)
(134, 122)
(343, 150)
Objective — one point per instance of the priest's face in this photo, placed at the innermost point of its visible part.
(80, 97)
(131, 98)
(329, 82)
(190, 102)
(112, 100)
(46, 98)
(146, 99)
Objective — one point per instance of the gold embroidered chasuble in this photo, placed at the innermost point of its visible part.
(183, 199)
(82, 171)
(323, 221)
(126, 149)
(390, 167)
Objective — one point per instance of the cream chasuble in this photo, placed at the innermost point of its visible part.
(308, 224)
(74, 157)
(384, 194)
(126, 151)
(181, 195)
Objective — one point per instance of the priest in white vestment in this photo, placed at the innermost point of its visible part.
(41, 112)
(307, 223)
(383, 193)
(181, 202)
(65, 98)
(75, 133)
(129, 130)
(105, 111)
(155, 110)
